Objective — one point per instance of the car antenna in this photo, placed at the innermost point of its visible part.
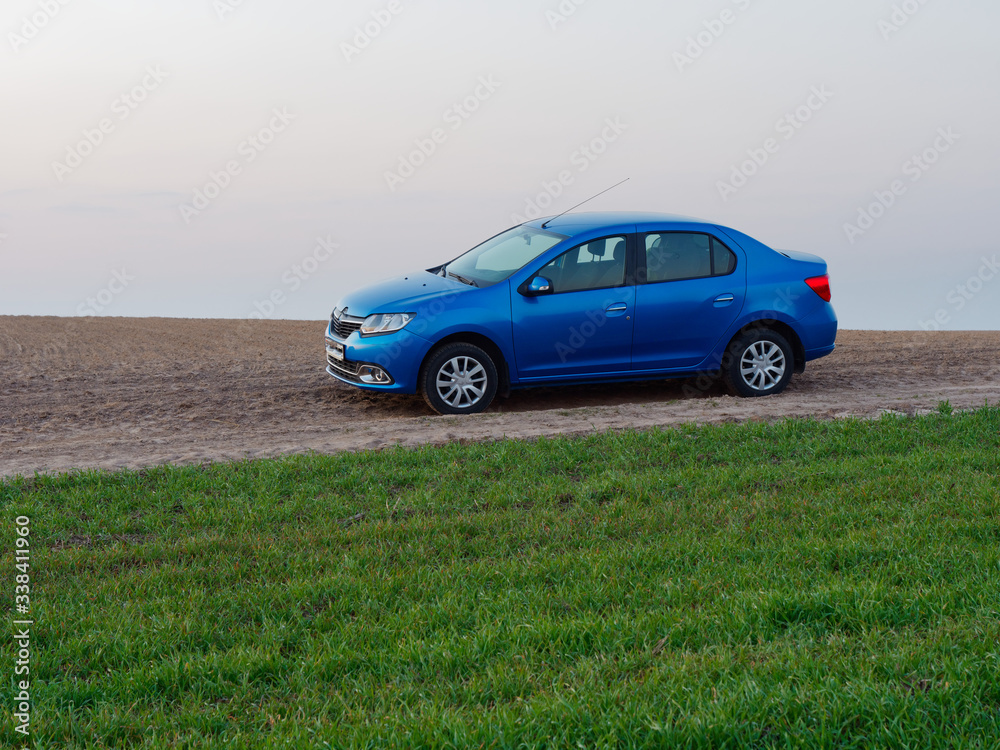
(549, 221)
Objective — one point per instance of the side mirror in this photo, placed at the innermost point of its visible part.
(538, 286)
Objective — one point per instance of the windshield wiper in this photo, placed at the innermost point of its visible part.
(464, 280)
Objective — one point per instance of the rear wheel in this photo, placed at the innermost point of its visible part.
(459, 379)
(758, 363)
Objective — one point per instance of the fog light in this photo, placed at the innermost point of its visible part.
(374, 375)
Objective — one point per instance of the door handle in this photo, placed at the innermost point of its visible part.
(617, 307)
(725, 298)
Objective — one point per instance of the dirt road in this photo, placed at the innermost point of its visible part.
(120, 392)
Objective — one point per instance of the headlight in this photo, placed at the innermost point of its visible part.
(385, 323)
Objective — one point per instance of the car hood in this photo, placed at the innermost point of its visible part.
(400, 294)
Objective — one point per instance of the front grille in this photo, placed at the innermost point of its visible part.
(344, 325)
(346, 370)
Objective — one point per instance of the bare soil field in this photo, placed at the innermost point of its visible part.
(109, 393)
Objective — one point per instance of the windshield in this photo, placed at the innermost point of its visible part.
(496, 259)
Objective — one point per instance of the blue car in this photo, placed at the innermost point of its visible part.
(585, 298)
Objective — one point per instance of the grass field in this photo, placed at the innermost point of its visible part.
(800, 584)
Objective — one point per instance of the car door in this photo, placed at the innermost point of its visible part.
(692, 288)
(583, 323)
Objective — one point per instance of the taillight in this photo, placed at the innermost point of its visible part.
(820, 285)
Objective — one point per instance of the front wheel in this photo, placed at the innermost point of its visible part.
(758, 363)
(459, 379)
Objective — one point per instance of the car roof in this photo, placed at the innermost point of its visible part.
(577, 223)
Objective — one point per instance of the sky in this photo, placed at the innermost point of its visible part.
(256, 158)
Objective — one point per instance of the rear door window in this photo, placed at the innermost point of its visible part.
(675, 256)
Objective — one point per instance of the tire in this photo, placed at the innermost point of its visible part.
(459, 379)
(758, 363)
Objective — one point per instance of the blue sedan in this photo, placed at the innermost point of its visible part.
(585, 298)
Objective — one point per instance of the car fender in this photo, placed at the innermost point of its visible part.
(488, 317)
(714, 360)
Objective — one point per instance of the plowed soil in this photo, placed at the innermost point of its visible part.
(122, 392)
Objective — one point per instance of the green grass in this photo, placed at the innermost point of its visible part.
(800, 584)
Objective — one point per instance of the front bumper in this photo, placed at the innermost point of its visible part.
(355, 373)
(398, 355)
